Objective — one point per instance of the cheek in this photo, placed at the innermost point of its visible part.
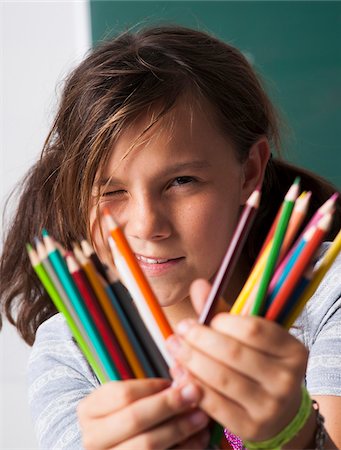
(98, 238)
(210, 226)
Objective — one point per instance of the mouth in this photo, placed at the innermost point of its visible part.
(148, 260)
(156, 265)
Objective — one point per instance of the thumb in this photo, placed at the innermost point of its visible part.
(199, 291)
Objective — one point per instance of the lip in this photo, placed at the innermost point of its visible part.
(154, 266)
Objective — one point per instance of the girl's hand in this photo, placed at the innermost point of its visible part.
(250, 370)
(143, 414)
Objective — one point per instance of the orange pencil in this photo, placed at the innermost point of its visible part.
(313, 236)
(110, 312)
(125, 250)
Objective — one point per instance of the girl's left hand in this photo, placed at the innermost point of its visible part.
(250, 369)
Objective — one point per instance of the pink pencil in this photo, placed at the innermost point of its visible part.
(231, 256)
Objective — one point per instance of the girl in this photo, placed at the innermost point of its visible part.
(171, 129)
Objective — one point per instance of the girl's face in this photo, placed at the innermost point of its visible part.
(177, 196)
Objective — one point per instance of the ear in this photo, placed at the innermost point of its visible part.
(254, 167)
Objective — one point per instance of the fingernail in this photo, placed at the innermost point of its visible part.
(198, 418)
(184, 326)
(190, 394)
(174, 344)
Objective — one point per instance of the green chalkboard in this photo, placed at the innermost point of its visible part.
(296, 46)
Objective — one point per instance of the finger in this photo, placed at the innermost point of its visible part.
(199, 291)
(242, 388)
(169, 433)
(115, 395)
(261, 334)
(142, 415)
(230, 352)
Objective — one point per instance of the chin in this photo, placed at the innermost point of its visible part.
(170, 298)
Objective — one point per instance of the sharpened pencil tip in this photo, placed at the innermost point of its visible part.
(297, 180)
(44, 232)
(29, 247)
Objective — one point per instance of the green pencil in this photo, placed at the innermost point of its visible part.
(44, 259)
(287, 207)
(62, 271)
(58, 302)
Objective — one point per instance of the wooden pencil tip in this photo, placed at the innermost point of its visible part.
(254, 198)
(44, 232)
(29, 247)
(335, 196)
(297, 180)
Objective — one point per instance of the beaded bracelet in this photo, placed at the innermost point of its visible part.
(290, 431)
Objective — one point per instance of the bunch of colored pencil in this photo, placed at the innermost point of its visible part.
(122, 331)
(117, 341)
(285, 274)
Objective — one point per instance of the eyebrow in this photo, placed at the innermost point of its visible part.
(169, 171)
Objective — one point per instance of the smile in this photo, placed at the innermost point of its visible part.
(154, 267)
(152, 260)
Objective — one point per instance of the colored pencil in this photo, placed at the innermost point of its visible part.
(61, 269)
(288, 267)
(89, 252)
(43, 256)
(119, 364)
(313, 236)
(296, 294)
(59, 304)
(123, 247)
(146, 367)
(297, 217)
(248, 292)
(231, 256)
(317, 276)
(327, 207)
(146, 314)
(278, 238)
(110, 313)
(245, 294)
(143, 335)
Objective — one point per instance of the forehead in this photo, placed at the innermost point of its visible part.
(188, 127)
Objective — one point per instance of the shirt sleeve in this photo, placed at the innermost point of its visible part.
(324, 335)
(58, 378)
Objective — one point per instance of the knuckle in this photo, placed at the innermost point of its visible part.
(125, 395)
(286, 383)
(253, 328)
(222, 380)
(135, 419)
(234, 350)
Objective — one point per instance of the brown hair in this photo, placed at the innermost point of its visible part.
(119, 80)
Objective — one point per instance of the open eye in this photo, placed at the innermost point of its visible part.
(179, 181)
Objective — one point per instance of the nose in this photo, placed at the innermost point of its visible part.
(148, 219)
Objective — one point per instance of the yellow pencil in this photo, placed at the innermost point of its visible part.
(251, 281)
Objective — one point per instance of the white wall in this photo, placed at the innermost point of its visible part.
(40, 41)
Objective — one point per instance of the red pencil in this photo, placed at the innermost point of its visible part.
(98, 317)
(314, 237)
(231, 256)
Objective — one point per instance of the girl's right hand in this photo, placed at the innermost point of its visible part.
(143, 414)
